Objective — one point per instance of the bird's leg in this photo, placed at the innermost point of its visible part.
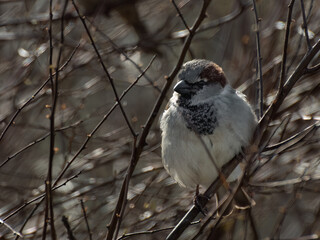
(199, 201)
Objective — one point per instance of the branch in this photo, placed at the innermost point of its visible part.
(86, 218)
(105, 117)
(305, 25)
(180, 15)
(49, 213)
(285, 46)
(281, 95)
(259, 58)
(11, 122)
(215, 23)
(67, 226)
(10, 228)
(82, 18)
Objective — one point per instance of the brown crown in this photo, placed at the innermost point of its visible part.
(214, 73)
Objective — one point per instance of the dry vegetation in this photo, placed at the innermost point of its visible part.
(80, 99)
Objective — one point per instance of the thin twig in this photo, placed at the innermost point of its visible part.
(289, 84)
(307, 130)
(37, 141)
(285, 46)
(86, 218)
(300, 39)
(10, 228)
(82, 18)
(180, 15)
(67, 226)
(259, 59)
(313, 69)
(49, 213)
(41, 197)
(126, 56)
(150, 232)
(215, 23)
(11, 122)
(305, 25)
(105, 117)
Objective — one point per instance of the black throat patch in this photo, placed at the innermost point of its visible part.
(199, 118)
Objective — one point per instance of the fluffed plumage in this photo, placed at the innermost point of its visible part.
(203, 105)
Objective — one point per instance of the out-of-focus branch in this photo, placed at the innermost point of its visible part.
(180, 15)
(49, 213)
(216, 23)
(82, 18)
(10, 228)
(86, 218)
(116, 218)
(281, 95)
(67, 226)
(105, 117)
(11, 122)
(305, 25)
(285, 46)
(37, 141)
(259, 88)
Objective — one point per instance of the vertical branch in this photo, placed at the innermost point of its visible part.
(49, 213)
(86, 218)
(285, 46)
(259, 59)
(305, 25)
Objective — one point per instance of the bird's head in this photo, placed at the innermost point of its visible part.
(199, 80)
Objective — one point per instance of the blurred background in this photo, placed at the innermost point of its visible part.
(128, 35)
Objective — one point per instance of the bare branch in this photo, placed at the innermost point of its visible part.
(285, 46)
(10, 228)
(259, 59)
(180, 15)
(305, 25)
(86, 218)
(11, 122)
(67, 226)
(82, 18)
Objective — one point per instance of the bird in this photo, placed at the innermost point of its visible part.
(206, 124)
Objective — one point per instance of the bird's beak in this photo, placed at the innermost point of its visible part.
(183, 88)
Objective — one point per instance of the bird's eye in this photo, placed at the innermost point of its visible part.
(201, 83)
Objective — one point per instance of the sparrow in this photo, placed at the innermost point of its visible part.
(205, 125)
